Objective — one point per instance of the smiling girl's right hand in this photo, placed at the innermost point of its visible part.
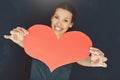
(17, 35)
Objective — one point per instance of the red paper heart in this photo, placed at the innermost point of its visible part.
(42, 44)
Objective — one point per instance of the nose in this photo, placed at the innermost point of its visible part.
(59, 23)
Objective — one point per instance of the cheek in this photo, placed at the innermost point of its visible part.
(66, 26)
(53, 21)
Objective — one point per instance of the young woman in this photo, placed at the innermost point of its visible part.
(62, 19)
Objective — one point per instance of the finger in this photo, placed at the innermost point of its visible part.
(99, 64)
(104, 65)
(94, 57)
(7, 36)
(101, 58)
(98, 60)
(23, 30)
(104, 59)
(11, 32)
(18, 31)
(21, 35)
(96, 51)
(93, 48)
(14, 31)
(95, 61)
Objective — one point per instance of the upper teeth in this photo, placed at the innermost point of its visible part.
(58, 28)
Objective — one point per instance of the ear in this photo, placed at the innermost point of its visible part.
(51, 18)
(71, 25)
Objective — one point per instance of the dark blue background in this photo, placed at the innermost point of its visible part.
(100, 19)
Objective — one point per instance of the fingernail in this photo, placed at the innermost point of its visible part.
(5, 36)
(27, 32)
(90, 50)
(90, 47)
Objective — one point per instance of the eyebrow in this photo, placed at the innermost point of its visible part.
(58, 15)
(67, 18)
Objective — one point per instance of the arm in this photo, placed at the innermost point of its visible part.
(17, 35)
(97, 59)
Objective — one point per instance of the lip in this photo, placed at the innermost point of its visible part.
(58, 29)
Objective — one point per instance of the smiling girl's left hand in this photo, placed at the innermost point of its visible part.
(96, 59)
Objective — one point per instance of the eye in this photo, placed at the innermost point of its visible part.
(56, 17)
(65, 20)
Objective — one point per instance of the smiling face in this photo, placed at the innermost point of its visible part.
(61, 21)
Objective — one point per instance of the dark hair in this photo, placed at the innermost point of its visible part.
(69, 7)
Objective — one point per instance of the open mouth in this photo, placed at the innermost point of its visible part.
(58, 28)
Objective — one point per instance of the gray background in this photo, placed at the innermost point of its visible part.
(100, 19)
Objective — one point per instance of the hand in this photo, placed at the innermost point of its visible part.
(97, 58)
(17, 35)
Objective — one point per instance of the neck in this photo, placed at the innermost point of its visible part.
(59, 35)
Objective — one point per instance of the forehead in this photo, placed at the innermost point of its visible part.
(63, 13)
